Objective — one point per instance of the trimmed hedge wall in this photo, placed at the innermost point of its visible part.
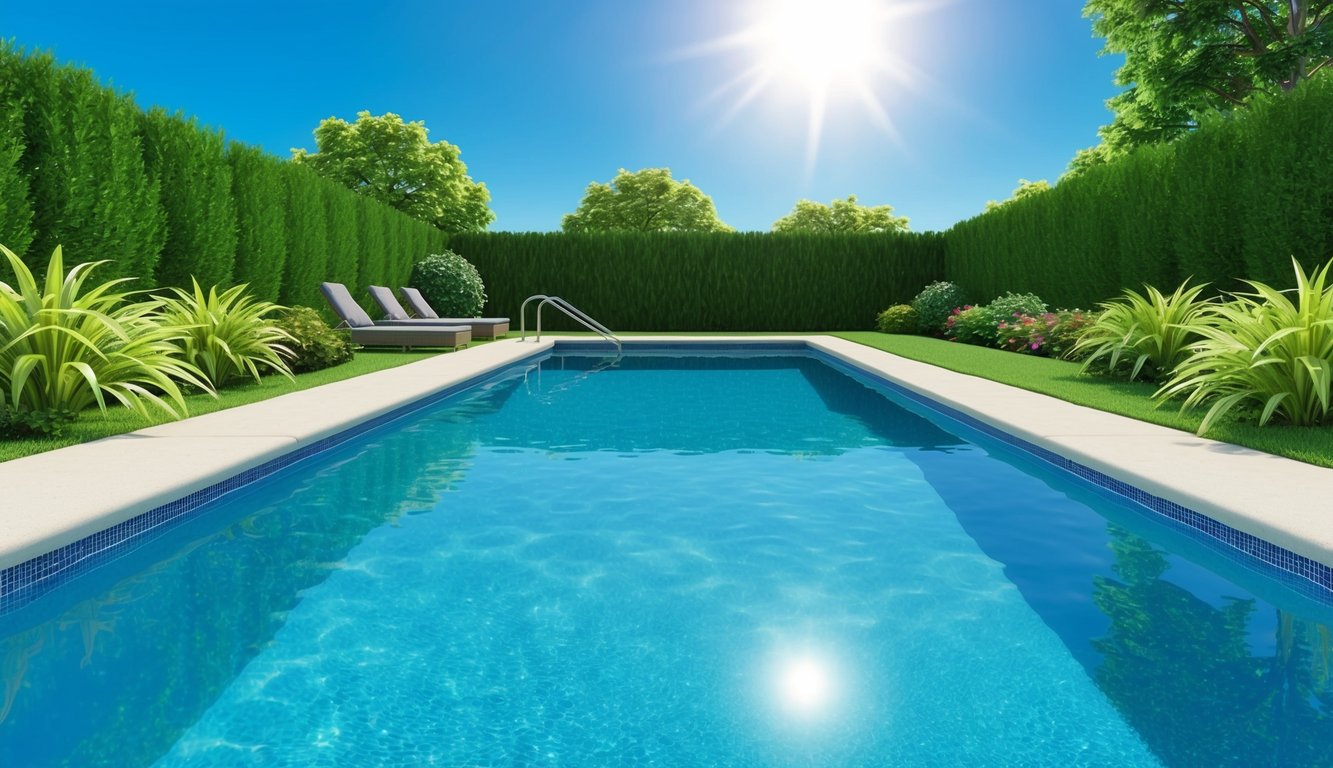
(1237, 198)
(165, 199)
(705, 281)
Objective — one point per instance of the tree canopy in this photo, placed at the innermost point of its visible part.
(840, 216)
(648, 200)
(396, 163)
(1186, 59)
(1024, 189)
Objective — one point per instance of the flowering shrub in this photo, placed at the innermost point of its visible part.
(1050, 334)
(934, 304)
(1010, 304)
(970, 325)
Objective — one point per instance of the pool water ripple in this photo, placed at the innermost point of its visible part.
(721, 561)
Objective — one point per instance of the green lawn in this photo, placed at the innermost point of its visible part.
(1061, 379)
(93, 425)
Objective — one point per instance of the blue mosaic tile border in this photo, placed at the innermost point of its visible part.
(21, 584)
(1313, 579)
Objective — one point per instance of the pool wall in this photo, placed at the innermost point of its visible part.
(70, 510)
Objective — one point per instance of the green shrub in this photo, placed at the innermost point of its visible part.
(227, 335)
(1153, 331)
(934, 305)
(1264, 350)
(16, 424)
(63, 349)
(971, 325)
(450, 284)
(900, 318)
(313, 344)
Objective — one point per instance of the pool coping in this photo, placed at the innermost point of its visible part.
(83, 496)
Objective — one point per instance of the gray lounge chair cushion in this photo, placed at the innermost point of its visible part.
(418, 303)
(423, 310)
(389, 303)
(344, 306)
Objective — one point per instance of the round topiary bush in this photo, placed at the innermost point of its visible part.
(934, 304)
(899, 318)
(451, 285)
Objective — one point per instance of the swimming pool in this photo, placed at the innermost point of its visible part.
(736, 559)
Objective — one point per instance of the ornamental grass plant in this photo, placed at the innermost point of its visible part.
(227, 335)
(1270, 349)
(1151, 332)
(65, 349)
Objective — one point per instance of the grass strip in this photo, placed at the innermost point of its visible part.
(117, 420)
(1061, 379)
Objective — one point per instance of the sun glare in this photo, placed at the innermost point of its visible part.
(824, 52)
(818, 44)
(804, 685)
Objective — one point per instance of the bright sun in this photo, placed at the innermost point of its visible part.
(818, 44)
(824, 51)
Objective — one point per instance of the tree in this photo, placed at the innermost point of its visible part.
(644, 201)
(1185, 59)
(396, 163)
(840, 216)
(1024, 189)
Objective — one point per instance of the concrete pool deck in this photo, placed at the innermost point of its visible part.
(62, 496)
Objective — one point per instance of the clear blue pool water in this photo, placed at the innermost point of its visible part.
(729, 561)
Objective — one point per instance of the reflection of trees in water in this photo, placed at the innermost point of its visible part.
(19, 649)
(1181, 672)
(125, 672)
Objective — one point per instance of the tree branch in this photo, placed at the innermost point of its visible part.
(1267, 15)
(1257, 44)
(1319, 66)
(1231, 98)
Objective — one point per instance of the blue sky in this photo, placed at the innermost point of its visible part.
(545, 96)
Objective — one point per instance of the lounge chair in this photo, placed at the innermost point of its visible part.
(368, 333)
(482, 327)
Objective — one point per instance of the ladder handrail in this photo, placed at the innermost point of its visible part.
(572, 311)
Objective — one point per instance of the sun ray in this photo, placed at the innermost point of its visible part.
(816, 128)
(830, 52)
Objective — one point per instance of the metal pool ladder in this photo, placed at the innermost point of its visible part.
(569, 309)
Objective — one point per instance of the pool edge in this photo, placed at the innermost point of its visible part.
(59, 552)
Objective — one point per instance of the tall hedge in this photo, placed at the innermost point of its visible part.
(164, 199)
(84, 164)
(16, 232)
(1239, 197)
(190, 165)
(370, 231)
(307, 238)
(706, 281)
(260, 194)
(344, 240)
